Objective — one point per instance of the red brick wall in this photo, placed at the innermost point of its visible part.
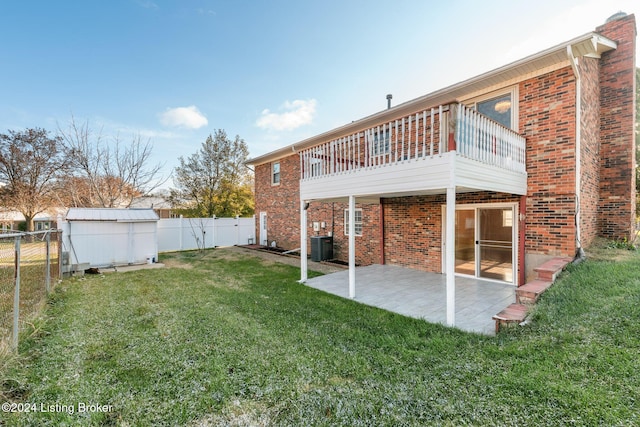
(282, 205)
(281, 202)
(547, 120)
(617, 105)
(367, 245)
(413, 227)
(590, 149)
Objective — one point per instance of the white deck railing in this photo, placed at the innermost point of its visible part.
(480, 138)
(418, 136)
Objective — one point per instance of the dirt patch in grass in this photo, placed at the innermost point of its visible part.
(238, 414)
(176, 263)
(235, 253)
(270, 258)
(608, 250)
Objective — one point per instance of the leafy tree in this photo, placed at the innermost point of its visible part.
(214, 180)
(106, 174)
(30, 163)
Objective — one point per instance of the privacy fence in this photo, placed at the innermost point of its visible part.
(178, 234)
(107, 243)
(29, 269)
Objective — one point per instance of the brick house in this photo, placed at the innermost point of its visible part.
(488, 177)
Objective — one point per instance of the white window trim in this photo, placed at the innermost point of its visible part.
(273, 173)
(515, 104)
(346, 222)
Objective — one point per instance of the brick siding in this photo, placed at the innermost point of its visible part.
(590, 153)
(547, 120)
(616, 214)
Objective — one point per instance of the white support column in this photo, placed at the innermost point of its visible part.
(450, 236)
(214, 232)
(303, 242)
(352, 247)
(181, 231)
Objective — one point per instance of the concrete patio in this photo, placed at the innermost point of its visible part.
(422, 295)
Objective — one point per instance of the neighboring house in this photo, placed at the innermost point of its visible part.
(11, 220)
(488, 177)
(158, 203)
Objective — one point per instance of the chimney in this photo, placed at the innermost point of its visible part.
(389, 96)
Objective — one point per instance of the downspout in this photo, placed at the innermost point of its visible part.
(574, 65)
(522, 231)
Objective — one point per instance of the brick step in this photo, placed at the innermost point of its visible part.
(531, 291)
(549, 270)
(514, 313)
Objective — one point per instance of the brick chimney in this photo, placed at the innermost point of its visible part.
(616, 208)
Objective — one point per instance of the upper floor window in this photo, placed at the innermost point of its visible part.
(499, 107)
(381, 143)
(275, 173)
(316, 163)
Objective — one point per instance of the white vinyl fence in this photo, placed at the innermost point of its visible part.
(178, 234)
(108, 243)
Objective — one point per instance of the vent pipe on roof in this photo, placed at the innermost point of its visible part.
(389, 101)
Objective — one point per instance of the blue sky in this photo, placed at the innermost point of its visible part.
(272, 72)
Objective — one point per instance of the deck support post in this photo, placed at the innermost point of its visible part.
(450, 239)
(303, 241)
(352, 247)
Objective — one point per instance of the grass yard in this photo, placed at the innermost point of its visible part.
(222, 338)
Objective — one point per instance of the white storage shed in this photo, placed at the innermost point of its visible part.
(104, 237)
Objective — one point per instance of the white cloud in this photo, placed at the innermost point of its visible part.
(294, 114)
(186, 117)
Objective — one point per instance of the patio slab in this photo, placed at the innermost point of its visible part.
(422, 295)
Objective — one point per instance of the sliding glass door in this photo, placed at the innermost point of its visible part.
(495, 244)
(484, 245)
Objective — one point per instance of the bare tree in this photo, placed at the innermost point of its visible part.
(30, 163)
(108, 174)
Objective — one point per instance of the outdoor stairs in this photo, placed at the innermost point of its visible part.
(528, 294)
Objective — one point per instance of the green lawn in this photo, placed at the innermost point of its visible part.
(224, 339)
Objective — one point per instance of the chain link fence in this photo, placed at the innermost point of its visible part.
(29, 268)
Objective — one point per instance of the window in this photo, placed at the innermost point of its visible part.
(497, 109)
(501, 107)
(381, 143)
(40, 226)
(316, 163)
(275, 173)
(507, 218)
(358, 222)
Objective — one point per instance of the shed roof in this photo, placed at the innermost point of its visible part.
(111, 214)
